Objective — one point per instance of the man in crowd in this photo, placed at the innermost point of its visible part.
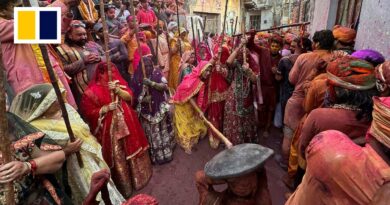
(79, 57)
(341, 172)
(146, 15)
(306, 67)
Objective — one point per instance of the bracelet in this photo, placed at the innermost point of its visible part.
(34, 166)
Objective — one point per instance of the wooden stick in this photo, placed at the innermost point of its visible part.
(223, 32)
(210, 125)
(157, 40)
(5, 146)
(54, 82)
(137, 38)
(276, 28)
(178, 27)
(194, 37)
(106, 49)
(235, 26)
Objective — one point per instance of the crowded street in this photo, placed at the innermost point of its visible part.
(194, 102)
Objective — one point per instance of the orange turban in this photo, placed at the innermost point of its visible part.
(350, 73)
(344, 34)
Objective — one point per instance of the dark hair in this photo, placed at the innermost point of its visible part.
(362, 99)
(325, 38)
(304, 43)
(5, 3)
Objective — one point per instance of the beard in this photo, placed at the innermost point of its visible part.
(80, 43)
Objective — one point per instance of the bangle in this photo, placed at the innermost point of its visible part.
(34, 166)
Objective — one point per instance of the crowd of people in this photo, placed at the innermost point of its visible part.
(161, 89)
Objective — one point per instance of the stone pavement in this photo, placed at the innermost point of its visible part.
(173, 183)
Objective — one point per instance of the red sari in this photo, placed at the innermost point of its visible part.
(126, 149)
(217, 91)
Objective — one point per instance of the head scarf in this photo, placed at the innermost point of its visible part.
(137, 58)
(172, 25)
(344, 34)
(350, 73)
(369, 55)
(225, 53)
(207, 53)
(103, 66)
(191, 84)
(382, 72)
(380, 126)
(148, 35)
(34, 102)
(185, 58)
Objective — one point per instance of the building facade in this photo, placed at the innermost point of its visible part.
(213, 12)
(369, 17)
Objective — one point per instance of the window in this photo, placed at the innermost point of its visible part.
(255, 22)
(306, 9)
(212, 21)
(348, 13)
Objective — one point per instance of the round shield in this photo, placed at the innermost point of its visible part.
(237, 161)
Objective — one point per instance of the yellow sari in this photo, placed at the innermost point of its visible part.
(189, 127)
(55, 129)
(174, 71)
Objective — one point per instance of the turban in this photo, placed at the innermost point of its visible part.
(382, 72)
(141, 199)
(369, 55)
(380, 126)
(351, 73)
(344, 34)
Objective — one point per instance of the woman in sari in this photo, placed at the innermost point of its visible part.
(175, 43)
(124, 145)
(39, 106)
(32, 186)
(239, 124)
(189, 126)
(186, 64)
(153, 109)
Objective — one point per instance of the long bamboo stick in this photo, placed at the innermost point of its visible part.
(5, 146)
(278, 27)
(223, 32)
(178, 27)
(210, 125)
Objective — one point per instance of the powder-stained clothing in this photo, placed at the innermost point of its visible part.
(340, 172)
(323, 119)
(305, 69)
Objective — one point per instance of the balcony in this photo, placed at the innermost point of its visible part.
(250, 4)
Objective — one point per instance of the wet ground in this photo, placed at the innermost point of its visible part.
(173, 183)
